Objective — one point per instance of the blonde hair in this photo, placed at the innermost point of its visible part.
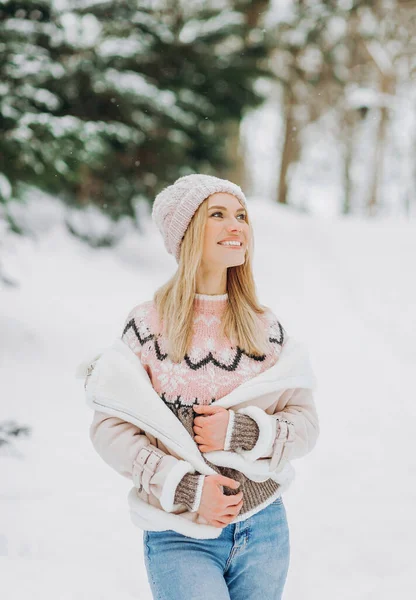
(175, 299)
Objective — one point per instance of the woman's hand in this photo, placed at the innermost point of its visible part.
(211, 428)
(217, 508)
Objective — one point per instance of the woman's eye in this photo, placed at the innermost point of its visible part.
(220, 213)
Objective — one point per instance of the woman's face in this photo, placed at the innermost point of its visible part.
(226, 221)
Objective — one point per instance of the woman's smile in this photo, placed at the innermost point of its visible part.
(232, 245)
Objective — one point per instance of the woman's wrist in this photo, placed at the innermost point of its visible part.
(189, 491)
(244, 434)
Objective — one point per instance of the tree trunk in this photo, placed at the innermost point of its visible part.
(347, 130)
(290, 150)
(387, 79)
(234, 147)
(374, 196)
(236, 172)
(346, 207)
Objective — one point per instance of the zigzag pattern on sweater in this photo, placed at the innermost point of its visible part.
(209, 358)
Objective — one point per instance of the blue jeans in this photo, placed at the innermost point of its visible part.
(248, 561)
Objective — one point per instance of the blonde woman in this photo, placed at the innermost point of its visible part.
(203, 403)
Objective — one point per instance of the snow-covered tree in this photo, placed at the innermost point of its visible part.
(326, 56)
(314, 52)
(107, 101)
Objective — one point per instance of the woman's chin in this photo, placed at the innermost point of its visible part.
(238, 260)
(234, 259)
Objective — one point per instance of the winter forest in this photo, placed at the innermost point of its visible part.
(310, 107)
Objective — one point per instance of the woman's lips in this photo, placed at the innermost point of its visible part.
(233, 246)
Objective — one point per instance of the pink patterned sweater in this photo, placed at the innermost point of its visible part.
(211, 369)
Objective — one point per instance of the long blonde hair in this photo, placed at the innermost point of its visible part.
(175, 299)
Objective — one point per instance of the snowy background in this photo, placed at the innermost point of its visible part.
(339, 127)
(344, 286)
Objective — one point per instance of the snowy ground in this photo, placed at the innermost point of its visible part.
(344, 287)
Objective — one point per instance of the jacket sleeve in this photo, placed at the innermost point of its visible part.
(127, 449)
(288, 434)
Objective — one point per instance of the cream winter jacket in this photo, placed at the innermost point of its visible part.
(147, 443)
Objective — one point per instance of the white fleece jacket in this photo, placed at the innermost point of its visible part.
(147, 443)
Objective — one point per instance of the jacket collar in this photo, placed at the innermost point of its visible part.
(119, 385)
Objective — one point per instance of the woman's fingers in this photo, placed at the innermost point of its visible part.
(233, 510)
(222, 521)
(217, 524)
(233, 499)
(229, 515)
(226, 519)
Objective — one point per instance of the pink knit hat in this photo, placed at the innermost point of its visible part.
(176, 204)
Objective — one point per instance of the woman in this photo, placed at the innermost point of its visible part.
(202, 404)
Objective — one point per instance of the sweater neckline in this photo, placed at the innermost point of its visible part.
(211, 297)
(213, 304)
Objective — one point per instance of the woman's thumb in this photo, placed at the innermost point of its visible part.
(231, 483)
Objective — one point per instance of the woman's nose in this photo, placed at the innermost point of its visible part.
(235, 226)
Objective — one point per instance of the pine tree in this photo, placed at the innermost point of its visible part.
(108, 101)
(29, 148)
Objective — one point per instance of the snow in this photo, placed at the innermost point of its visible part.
(280, 11)
(5, 187)
(20, 67)
(190, 97)
(195, 29)
(262, 134)
(337, 28)
(41, 96)
(25, 26)
(129, 47)
(153, 24)
(343, 285)
(82, 31)
(357, 97)
(129, 82)
(35, 213)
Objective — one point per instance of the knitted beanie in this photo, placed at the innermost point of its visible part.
(176, 204)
